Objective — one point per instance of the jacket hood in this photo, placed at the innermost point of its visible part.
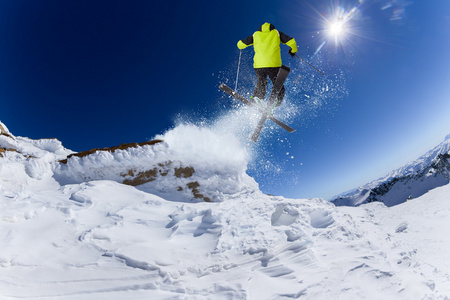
(266, 27)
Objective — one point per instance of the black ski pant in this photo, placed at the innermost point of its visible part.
(261, 84)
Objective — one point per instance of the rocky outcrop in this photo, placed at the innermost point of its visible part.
(110, 149)
(3, 150)
(135, 178)
(186, 164)
(4, 131)
(124, 163)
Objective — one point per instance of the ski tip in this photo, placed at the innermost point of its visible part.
(255, 136)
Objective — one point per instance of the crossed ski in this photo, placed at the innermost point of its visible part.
(266, 112)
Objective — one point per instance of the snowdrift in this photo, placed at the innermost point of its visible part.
(74, 230)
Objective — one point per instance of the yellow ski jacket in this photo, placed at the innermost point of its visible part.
(266, 43)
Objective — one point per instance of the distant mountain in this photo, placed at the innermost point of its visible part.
(429, 171)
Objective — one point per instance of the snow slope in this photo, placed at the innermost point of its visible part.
(429, 171)
(102, 239)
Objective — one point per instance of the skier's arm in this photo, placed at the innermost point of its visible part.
(285, 39)
(248, 41)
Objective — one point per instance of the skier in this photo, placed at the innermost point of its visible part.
(267, 59)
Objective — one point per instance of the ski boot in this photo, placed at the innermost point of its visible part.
(256, 101)
(272, 109)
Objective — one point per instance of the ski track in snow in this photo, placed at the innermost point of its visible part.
(104, 240)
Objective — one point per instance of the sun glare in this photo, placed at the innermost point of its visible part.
(337, 29)
(338, 23)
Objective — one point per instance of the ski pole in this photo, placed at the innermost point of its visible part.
(309, 64)
(237, 75)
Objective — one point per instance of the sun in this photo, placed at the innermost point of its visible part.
(338, 26)
(339, 23)
(337, 30)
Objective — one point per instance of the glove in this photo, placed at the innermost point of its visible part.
(291, 53)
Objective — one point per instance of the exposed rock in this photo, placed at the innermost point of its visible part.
(193, 186)
(3, 131)
(111, 149)
(184, 172)
(135, 178)
(3, 150)
(141, 177)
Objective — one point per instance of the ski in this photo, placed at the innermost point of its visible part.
(223, 87)
(277, 86)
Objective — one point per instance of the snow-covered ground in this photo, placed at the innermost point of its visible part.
(100, 239)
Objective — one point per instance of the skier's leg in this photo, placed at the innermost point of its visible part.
(273, 72)
(261, 84)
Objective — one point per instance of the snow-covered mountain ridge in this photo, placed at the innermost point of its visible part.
(73, 230)
(429, 171)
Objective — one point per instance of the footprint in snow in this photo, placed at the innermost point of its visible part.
(402, 227)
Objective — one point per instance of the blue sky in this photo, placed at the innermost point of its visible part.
(100, 73)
